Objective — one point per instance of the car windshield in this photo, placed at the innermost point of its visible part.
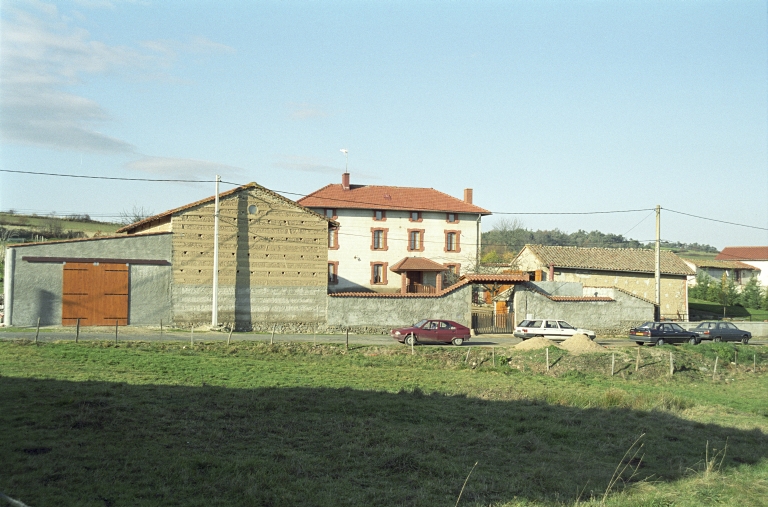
(420, 323)
(565, 325)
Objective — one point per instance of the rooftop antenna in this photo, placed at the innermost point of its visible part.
(346, 159)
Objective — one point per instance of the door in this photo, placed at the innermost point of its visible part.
(96, 293)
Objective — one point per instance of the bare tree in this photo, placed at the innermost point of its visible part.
(135, 214)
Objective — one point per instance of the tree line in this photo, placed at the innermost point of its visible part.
(508, 237)
(727, 293)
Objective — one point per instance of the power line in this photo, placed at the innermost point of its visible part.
(715, 220)
(172, 180)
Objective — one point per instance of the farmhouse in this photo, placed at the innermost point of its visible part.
(756, 256)
(396, 239)
(271, 269)
(739, 271)
(629, 269)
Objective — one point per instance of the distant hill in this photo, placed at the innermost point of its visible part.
(15, 228)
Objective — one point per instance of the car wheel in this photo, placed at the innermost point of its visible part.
(457, 341)
(410, 339)
(693, 341)
(717, 339)
(660, 341)
(745, 340)
(640, 343)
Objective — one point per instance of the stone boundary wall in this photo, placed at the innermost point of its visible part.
(613, 318)
(378, 315)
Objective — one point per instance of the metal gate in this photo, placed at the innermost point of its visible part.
(96, 293)
(488, 323)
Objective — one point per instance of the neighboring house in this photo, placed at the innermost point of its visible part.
(740, 272)
(756, 256)
(273, 255)
(630, 269)
(396, 239)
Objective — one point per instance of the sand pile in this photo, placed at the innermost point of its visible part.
(580, 343)
(535, 343)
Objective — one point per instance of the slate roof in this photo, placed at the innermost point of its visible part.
(635, 260)
(132, 227)
(416, 264)
(714, 263)
(743, 253)
(387, 198)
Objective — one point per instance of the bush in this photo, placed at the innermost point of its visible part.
(725, 351)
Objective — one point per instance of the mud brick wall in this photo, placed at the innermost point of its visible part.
(273, 259)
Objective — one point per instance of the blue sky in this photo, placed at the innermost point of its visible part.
(540, 107)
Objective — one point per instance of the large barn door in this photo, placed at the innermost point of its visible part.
(95, 293)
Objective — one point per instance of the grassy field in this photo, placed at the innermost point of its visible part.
(99, 424)
(39, 222)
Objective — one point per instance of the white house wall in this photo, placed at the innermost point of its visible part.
(355, 255)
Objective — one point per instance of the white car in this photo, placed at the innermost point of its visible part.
(549, 328)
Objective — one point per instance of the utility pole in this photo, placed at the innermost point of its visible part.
(215, 308)
(658, 261)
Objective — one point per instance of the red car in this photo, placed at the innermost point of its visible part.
(435, 331)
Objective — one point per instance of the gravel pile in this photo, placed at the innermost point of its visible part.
(580, 343)
(535, 343)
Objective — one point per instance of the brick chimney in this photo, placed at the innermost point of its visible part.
(345, 181)
(468, 195)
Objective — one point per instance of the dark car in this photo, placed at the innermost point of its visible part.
(659, 333)
(434, 331)
(722, 332)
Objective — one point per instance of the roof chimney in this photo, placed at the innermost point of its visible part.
(345, 181)
(468, 195)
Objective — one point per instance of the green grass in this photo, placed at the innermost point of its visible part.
(736, 312)
(296, 424)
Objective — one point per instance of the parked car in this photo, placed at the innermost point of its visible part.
(434, 331)
(549, 328)
(722, 331)
(659, 333)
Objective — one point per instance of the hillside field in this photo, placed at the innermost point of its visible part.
(139, 423)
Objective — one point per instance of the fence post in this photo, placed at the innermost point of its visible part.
(272, 338)
(229, 336)
(77, 332)
(161, 329)
(547, 358)
(493, 351)
(115, 331)
(192, 335)
(637, 362)
(671, 364)
(347, 345)
(715, 372)
(37, 333)
(613, 363)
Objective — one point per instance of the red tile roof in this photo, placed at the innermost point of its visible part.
(387, 198)
(166, 214)
(743, 253)
(417, 264)
(636, 260)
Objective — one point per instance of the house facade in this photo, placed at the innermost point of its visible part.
(739, 271)
(756, 256)
(396, 239)
(629, 269)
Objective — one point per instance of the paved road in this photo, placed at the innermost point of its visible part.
(136, 334)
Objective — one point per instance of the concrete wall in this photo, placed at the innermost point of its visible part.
(380, 314)
(35, 287)
(603, 317)
(355, 253)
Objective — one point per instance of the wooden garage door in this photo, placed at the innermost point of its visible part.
(96, 293)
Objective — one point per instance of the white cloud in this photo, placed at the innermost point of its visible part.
(186, 168)
(43, 53)
(306, 111)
